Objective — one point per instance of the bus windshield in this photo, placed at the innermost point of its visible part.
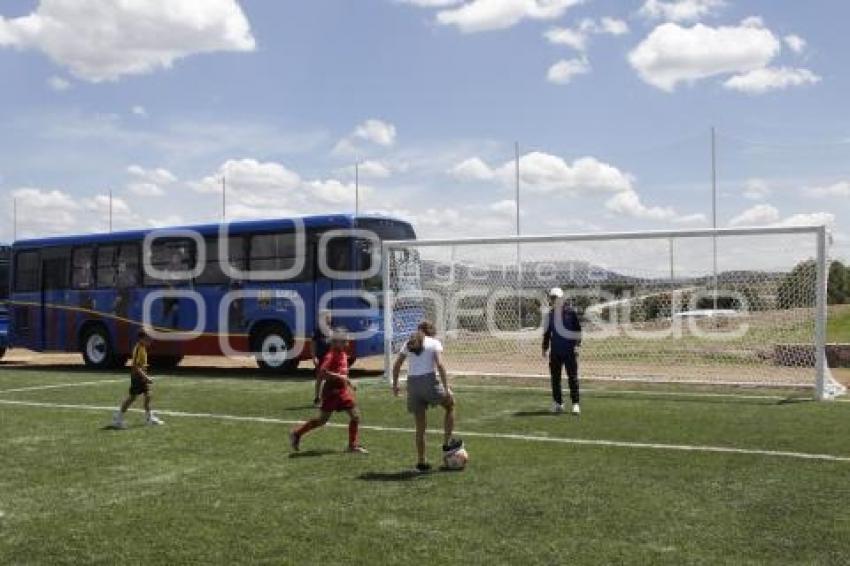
(4, 273)
(366, 253)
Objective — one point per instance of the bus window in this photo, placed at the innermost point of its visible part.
(4, 274)
(56, 269)
(127, 266)
(171, 256)
(213, 273)
(278, 252)
(83, 268)
(26, 271)
(106, 266)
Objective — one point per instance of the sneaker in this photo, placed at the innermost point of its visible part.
(557, 408)
(153, 421)
(118, 421)
(576, 409)
(454, 444)
(357, 449)
(294, 441)
(423, 467)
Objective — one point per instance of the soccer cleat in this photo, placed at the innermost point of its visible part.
(118, 421)
(153, 421)
(423, 467)
(294, 441)
(576, 409)
(357, 449)
(557, 408)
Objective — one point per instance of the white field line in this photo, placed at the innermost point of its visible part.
(472, 434)
(648, 393)
(60, 385)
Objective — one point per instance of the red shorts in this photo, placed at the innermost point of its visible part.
(338, 401)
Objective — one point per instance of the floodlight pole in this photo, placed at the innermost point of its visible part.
(714, 209)
(518, 233)
(357, 189)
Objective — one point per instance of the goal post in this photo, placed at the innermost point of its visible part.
(654, 306)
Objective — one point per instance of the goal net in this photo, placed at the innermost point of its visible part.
(744, 306)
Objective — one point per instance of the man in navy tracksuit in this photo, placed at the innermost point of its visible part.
(561, 337)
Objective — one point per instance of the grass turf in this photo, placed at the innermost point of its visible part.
(210, 490)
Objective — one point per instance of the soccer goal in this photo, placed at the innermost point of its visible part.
(732, 306)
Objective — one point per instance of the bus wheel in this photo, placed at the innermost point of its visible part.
(272, 346)
(165, 362)
(97, 349)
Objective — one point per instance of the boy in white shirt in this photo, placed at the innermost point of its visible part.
(424, 390)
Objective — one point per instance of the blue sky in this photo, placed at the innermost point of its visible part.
(612, 103)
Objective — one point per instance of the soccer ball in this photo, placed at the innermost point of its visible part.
(456, 459)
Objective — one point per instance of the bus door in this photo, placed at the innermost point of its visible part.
(53, 314)
(171, 258)
(213, 285)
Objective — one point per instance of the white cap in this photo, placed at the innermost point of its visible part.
(556, 292)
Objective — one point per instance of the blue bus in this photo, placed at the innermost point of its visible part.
(5, 251)
(91, 294)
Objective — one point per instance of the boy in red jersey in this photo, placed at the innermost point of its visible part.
(337, 394)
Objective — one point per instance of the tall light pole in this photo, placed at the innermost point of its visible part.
(223, 198)
(518, 233)
(357, 189)
(714, 208)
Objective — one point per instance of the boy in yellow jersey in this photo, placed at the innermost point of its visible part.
(140, 383)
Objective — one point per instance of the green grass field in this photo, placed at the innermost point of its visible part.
(643, 476)
(838, 325)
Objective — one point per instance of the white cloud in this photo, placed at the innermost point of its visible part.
(258, 189)
(756, 189)
(98, 40)
(372, 131)
(51, 211)
(565, 70)
(377, 132)
(58, 83)
(810, 219)
(549, 174)
(504, 207)
(578, 37)
(763, 80)
(158, 176)
(613, 26)
(138, 110)
(574, 38)
(486, 15)
(628, 203)
(148, 182)
(374, 169)
(546, 173)
(673, 54)
(837, 190)
(472, 169)
(251, 177)
(767, 215)
(431, 3)
(795, 43)
(45, 211)
(680, 10)
(759, 215)
(145, 190)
